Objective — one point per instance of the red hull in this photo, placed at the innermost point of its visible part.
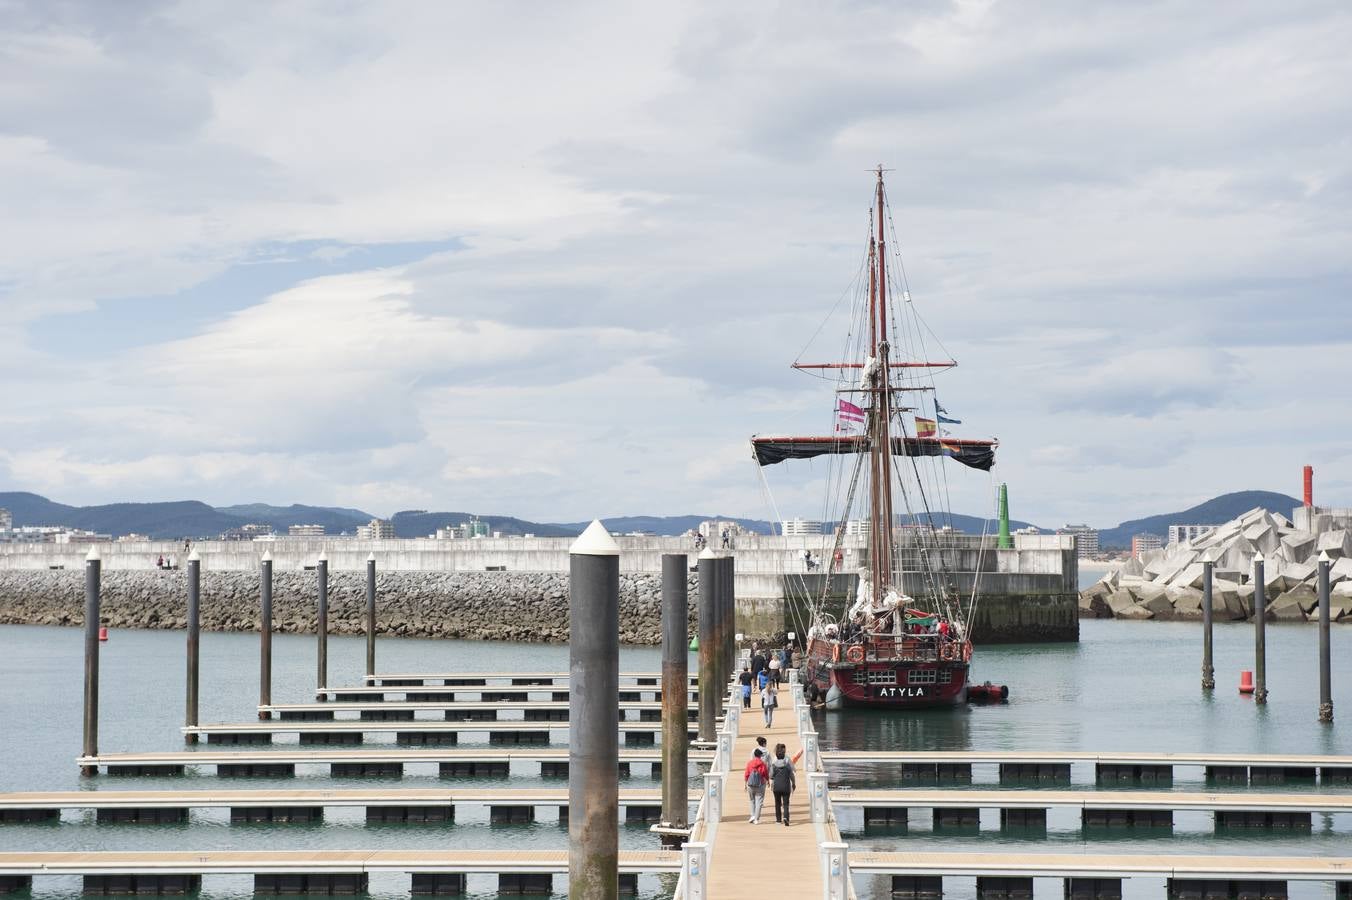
(921, 679)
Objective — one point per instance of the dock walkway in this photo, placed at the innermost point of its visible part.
(747, 858)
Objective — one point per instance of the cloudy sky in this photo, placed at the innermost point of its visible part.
(553, 260)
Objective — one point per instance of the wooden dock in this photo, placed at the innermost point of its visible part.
(419, 732)
(1154, 800)
(413, 679)
(1096, 865)
(489, 761)
(784, 860)
(328, 710)
(336, 798)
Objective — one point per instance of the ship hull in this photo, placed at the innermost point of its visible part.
(893, 684)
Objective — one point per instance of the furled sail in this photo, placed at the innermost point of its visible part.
(975, 454)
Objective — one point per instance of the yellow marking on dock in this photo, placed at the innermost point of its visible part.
(784, 861)
(300, 861)
(1099, 865)
(1109, 799)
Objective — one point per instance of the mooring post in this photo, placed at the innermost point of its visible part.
(371, 615)
(265, 635)
(593, 717)
(1259, 632)
(322, 625)
(1325, 682)
(675, 690)
(1208, 671)
(194, 640)
(730, 621)
(93, 572)
(710, 691)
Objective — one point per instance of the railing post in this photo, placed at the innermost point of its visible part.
(713, 798)
(817, 796)
(835, 870)
(695, 860)
(724, 750)
(811, 762)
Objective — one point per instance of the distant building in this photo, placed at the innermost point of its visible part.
(1086, 540)
(132, 537)
(799, 527)
(6, 520)
(376, 530)
(1180, 533)
(1144, 543)
(80, 536)
(475, 528)
(1027, 529)
(306, 530)
(50, 534)
(251, 532)
(713, 530)
(857, 527)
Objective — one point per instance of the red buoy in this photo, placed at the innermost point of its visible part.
(103, 632)
(1246, 682)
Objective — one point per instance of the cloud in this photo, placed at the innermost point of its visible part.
(1127, 223)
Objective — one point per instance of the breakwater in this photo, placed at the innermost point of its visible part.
(500, 606)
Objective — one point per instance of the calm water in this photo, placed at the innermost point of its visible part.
(1126, 685)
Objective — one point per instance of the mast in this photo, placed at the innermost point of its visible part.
(885, 405)
(874, 502)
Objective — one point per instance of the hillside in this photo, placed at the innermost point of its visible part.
(1213, 512)
(413, 524)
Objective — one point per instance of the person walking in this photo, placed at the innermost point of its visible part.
(769, 700)
(773, 667)
(783, 780)
(756, 776)
(745, 681)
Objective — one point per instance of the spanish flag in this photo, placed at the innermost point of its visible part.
(925, 427)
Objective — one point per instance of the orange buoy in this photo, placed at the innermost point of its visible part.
(103, 632)
(1246, 682)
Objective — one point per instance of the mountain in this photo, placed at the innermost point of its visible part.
(334, 519)
(1215, 511)
(419, 523)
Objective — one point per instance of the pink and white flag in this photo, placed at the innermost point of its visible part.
(849, 418)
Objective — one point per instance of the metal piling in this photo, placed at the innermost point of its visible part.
(265, 635)
(593, 717)
(1259, 632)
(194, 641)
(1208, 671)
(675, 690)
(93, 573)
(1325, 679)
(322, 625)
(710, 691)
(371, 615)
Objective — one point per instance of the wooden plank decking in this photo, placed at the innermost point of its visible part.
(746, 858)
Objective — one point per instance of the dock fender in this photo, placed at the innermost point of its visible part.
(834, 699)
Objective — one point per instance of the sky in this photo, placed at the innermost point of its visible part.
(554, 260)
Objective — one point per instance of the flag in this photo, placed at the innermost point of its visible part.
(925, 427)
(849, 418)
(942, 415)
(948, 448)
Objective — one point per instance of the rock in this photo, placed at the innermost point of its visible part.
(1189, 600)
(1120, 601)
(1337, 544)
(1158, 604)
(1302, 595)
(1285, 608)
(1133, 612)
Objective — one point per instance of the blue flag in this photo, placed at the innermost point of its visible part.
(942, 415)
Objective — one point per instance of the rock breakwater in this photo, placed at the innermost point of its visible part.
(500, 606)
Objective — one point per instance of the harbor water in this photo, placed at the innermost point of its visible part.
(1124, 686)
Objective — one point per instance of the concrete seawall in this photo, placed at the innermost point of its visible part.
(516, 588)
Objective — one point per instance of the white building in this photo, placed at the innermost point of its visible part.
(1086, 540)
(857, 527)
(1180, 533)
(6, 520)
(798, 527)
(306, 530)
(1143, 543)
(376, 530)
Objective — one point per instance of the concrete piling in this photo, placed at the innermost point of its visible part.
(675, 689)
(322, 625)
(710, 690)
(194, 640)
(593, 717)
(1259, 632)
(1208, 671)
(93, 574)
(265, 635)
(371, 615)
(729, 567)
(1325, 679)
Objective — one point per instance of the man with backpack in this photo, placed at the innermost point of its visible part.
(755, 777)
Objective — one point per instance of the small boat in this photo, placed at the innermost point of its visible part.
(888, 648)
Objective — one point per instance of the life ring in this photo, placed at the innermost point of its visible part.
(855, 654)
(946, 652)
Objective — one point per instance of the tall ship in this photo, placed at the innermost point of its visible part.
(901, 637)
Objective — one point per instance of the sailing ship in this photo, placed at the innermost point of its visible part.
(904, 641)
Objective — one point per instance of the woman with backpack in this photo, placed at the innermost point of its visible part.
(756, 776)
(782, 781)
(769, 700)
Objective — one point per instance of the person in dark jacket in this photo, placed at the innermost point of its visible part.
(783, 780)
(757, 664)
(745, 681)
